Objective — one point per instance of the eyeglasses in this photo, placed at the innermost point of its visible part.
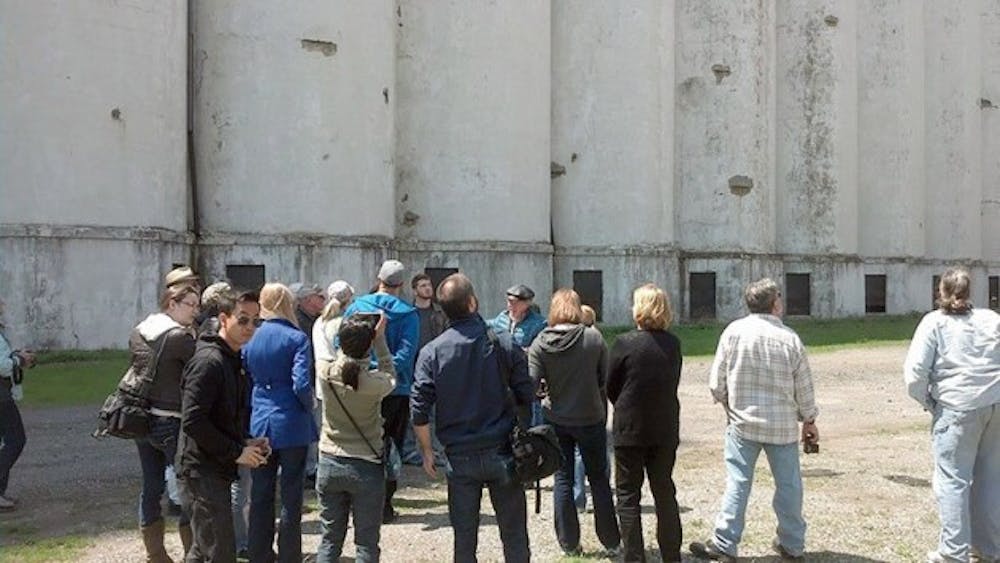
(244, 321)
(192, 304)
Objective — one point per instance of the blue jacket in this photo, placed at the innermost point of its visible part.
(458, 376)
(524, 332)
(279, 360)
(402, 334)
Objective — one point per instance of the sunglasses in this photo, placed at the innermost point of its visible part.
(244, 321)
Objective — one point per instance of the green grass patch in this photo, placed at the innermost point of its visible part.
(817, 334)
(66, 548)
(80, 382)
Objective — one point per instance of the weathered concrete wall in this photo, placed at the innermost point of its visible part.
(81, 287)
(92, 126)
(817, 129)
(725, 125)
(472, 145)
(623, 269)
(294, 116)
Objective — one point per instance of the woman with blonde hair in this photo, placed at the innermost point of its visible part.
(570, 360)
(643, 375)
(953, 370)
(279, 361)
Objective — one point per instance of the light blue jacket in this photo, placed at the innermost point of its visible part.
(524, 332)
(954, 360)
(7, 362)
(279, 360)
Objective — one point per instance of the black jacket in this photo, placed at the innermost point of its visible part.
(215, 413)
(643, 374)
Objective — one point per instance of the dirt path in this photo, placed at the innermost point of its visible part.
(867, 498)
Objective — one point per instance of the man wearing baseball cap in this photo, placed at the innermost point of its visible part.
(403, 336)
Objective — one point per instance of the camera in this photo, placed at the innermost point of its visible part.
(370, 319)
(810, 445)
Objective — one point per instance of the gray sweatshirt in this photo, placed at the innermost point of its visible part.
(572, 361)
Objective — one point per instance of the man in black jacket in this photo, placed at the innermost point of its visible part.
(215, 416)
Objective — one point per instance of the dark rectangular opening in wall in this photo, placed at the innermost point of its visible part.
(875, 293)
(701, 295)
(935, 283)
(589, 284)
(994, 282)
(248, 277)
(438, 275)
(798, 295)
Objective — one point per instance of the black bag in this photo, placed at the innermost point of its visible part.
(536, 450)
(125, 413)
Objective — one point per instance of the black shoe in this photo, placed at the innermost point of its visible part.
(785, 555)
(173, 509)
(389, 514)
(708, 550)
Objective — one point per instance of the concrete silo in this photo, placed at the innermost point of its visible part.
(92, 148)
(294, 123)
(472, 145)
(613, 147)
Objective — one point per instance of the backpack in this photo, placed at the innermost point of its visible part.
(536, 449)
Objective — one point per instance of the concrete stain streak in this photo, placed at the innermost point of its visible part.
(327, 48)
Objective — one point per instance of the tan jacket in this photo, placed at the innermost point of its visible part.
(339, 436)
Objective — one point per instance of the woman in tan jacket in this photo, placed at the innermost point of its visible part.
(351, 473)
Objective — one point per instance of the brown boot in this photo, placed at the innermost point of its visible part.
(187, 537)
(152, 538)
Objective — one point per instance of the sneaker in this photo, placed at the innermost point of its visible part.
(243, 555)
(785, 555)
(935, 557)
(7, 504)
(708, 550)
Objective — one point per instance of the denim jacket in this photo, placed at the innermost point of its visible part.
(524, 332)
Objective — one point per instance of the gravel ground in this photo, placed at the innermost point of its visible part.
(867, 494)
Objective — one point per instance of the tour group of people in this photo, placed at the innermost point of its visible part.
(296, 386)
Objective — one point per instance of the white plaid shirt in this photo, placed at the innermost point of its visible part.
(762, 376)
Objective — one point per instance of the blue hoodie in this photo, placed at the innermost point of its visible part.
(402, 333)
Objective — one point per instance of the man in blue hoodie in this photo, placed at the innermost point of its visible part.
(403, 336)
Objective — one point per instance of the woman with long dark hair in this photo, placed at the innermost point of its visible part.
(351, 475)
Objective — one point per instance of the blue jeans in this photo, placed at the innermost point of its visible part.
(239, 499)
(263, 480)
(593, 443)
(13, 438)
(156, 451)
(467, 473)
(741, 457)
(580, 479)
(346, 486)
(966, 446)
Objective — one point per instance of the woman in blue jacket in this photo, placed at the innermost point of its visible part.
(279, 360)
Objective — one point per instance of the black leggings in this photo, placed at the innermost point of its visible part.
(12, 435)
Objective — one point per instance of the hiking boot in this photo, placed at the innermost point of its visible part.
(784, 553)
(389, 514)
(152, 538)
(708, 550)
(7, 504)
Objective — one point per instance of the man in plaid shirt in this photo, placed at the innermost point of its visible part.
(761, 376)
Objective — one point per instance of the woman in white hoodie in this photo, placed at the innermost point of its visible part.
(160, 346)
